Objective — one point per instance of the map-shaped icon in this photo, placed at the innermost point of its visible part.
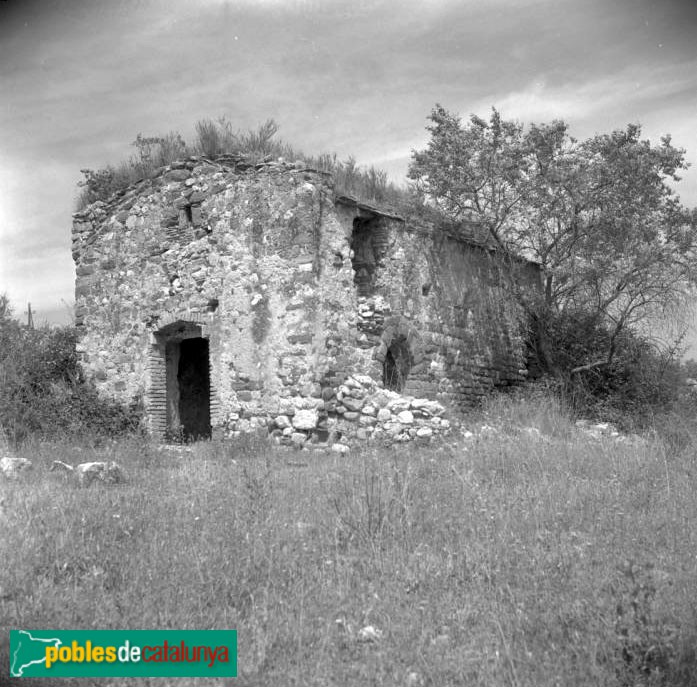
(29, 651)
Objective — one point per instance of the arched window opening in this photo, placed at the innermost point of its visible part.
(397, 365)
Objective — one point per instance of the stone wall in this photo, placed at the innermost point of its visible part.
(287, 292)
(451, 301)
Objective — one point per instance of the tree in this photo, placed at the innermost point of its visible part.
(474, 172)
(614, 244)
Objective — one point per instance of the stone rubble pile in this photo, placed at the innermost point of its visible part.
(596, 431)
(359, 409)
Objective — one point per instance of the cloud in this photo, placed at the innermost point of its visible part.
(662, 101)
(80, 79)
(628, 90)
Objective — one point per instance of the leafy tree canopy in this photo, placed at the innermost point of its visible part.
(599, 216)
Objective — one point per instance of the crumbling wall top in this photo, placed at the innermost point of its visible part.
(180, 170)
(86, 221)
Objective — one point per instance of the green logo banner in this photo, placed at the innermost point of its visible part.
(123, 653)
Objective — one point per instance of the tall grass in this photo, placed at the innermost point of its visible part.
(511, 558)
(219, 137)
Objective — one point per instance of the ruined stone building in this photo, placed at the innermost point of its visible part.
(230, 296)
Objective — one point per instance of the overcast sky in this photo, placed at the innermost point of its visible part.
(79, 80)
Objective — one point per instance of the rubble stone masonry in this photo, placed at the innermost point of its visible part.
(232, 297)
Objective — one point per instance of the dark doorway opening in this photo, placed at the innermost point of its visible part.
(194, 389)
(397, 365)
(188, 389)
(181, 386)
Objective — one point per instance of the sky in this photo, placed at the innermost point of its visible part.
(80, 79)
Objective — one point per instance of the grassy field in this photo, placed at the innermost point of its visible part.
(509, 558)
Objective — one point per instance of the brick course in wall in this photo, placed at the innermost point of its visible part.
(295, 291)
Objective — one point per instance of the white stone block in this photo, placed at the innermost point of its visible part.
(305, 419)
(406, 417)
(384, 415)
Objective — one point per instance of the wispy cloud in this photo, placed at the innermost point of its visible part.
(624, 93)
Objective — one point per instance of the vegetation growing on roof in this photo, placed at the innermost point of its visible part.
(219, 137)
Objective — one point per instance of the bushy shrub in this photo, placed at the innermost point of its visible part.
(151, 154)
(42, 390)
(99, 185)
(209, 142)
(641, 382)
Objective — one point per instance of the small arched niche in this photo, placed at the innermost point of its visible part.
(397, 364)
